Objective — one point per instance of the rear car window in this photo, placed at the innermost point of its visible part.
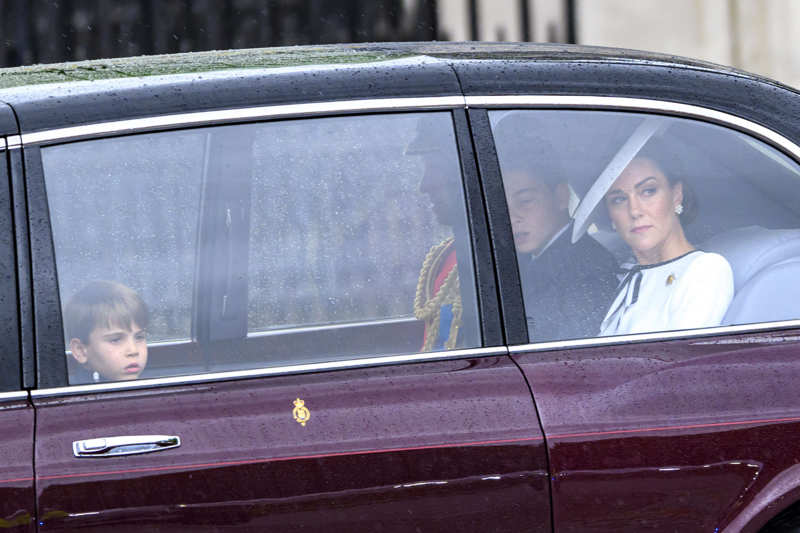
(631, 223)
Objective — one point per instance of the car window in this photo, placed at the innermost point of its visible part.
(631, 223)
(268, 244)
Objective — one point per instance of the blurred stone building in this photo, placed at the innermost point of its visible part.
(762, 36)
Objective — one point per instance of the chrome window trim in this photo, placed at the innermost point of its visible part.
(271, 371)
(325, 327)
(638, 104)
(205, 118)
(657, 336)
(16, 395)
(202, 118)
(14, 141)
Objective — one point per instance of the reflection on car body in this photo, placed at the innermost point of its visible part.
(366, 310)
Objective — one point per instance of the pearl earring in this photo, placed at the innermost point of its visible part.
(95, 376)
(679, 209)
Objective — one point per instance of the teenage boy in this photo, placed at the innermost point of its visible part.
(567, 288)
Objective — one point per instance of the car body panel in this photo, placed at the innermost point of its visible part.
(438, 446)
(17, 499)
(669, 435)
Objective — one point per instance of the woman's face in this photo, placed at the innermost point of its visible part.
(641, 204)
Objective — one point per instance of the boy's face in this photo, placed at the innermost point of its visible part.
(117, 353)
(537, 210)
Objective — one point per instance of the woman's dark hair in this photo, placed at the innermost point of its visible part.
(665, 156)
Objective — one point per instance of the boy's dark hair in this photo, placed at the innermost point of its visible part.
(521, 148)
(103, 304)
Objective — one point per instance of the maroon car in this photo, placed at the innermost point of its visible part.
(413, 287)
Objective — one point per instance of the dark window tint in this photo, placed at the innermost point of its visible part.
(629, 223)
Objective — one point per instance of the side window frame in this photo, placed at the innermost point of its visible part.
(219, 308)
(48, 336)
(45, 300)
(501, 235)
(479, 226)
(11, 368)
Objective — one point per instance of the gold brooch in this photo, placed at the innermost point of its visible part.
(670, 279)
(300, 412)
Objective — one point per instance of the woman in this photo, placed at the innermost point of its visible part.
(674, 286)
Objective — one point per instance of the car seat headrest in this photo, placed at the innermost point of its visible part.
(766, 267)
(753, 248)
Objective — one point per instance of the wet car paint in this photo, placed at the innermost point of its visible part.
(668, 435)
(438, 446)
(17, 500)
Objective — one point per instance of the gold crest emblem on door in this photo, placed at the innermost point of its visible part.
(300, 412)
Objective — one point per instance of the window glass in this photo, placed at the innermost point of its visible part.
(124, 215)
(257, 245)
(632, 223)
(126, 210)
(344, 212)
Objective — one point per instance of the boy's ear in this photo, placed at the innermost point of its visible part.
(78, 350)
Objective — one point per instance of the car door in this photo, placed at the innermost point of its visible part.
(680, 428)
(17, 500)
(323, 346)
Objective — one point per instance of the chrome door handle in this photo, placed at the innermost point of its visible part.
(124, 445)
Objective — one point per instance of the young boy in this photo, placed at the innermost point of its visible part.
(105, 324)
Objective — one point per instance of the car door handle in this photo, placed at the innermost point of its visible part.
(124, 445)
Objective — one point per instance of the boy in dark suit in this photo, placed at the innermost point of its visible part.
(567, 287)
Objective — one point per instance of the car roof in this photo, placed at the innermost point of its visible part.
(65, 94)
(296, 56)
